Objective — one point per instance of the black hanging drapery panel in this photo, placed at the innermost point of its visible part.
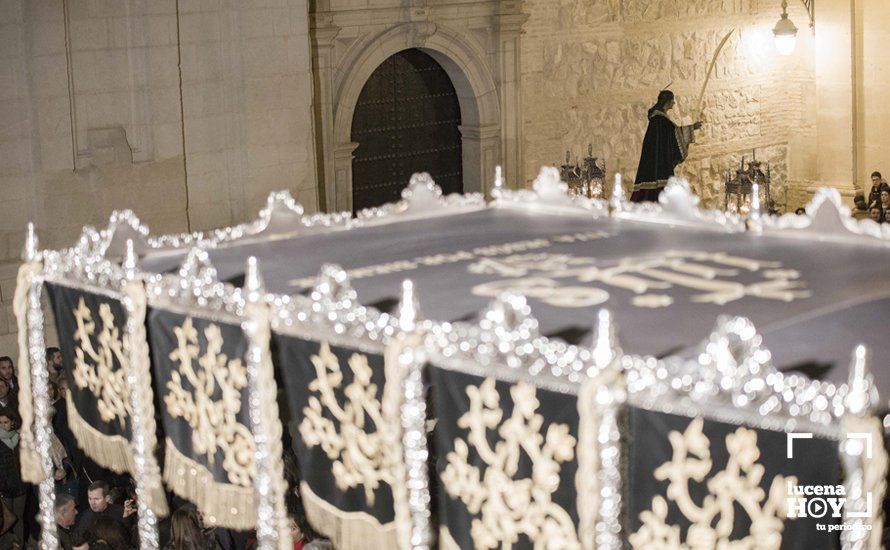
(507, 463)
(200, 377)
(91, 329)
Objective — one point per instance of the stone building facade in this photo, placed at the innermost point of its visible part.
(191, 111)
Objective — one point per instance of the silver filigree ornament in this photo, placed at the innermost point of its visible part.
(413, 416)
(610, 397)
(732, 379)
(422, 198)
(864, 459)
(862, 396)
(269, 477)
(281, 216)
(507, 333)
(828, 219)
(43, 431)
(331, 310)
(144, 464)
(551, 195)
(679, 205)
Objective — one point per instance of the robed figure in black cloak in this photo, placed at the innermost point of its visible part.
(664, 147)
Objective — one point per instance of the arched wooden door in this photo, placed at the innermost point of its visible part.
(406, 121)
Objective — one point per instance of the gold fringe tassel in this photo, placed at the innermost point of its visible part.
(347, 530)
(109, 451)
(222, 504)
(32, 471)
(136, 345)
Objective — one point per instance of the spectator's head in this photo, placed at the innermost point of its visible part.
(118, 495)
(876, 178)
(53, 390)
(111, 532)
(7, 368)
(4, 389)
(296, 534)
(97, 496)
(875, 214)
(66, 511)
(185, 528)
(62, 383)
(800, 211)
(885, 196)
(9, 420)
(54, 358)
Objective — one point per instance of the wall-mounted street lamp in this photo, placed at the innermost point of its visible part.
(786, 33)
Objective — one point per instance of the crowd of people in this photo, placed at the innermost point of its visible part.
(878, 202)
(95, 508)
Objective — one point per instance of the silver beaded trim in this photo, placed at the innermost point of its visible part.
(332, 312)
(43, 430)
(678, 205)
(551, 195)
(421, 198)
(506, 343)
(732, 380)
(827, 218)
(413, 416)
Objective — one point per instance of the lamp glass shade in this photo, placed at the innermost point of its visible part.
(786, 35)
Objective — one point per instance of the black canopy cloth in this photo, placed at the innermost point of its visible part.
(664, 147)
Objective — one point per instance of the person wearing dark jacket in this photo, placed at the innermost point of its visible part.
(12, 489)
(66, 524)
(100, 506)
(874, 195)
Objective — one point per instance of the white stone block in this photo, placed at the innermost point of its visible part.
(89, 34)
(49, 75)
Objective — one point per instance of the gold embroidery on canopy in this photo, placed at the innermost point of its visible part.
(212, 405)
(511, 507)
(738, 485)
(360, 456)
(94, 367)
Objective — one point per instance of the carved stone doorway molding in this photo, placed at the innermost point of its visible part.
(480, 56)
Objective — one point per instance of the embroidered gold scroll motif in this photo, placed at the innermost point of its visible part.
(508, 507)
(737, 487)
(94, 365)
(212, 403)
(355, 438)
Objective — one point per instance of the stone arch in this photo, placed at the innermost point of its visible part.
(472, 80)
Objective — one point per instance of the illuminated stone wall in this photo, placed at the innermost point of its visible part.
(592, 68)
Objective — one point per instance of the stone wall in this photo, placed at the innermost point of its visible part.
(592, 68)
(187, 112)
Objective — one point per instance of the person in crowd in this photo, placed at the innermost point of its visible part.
(7, 374)
(98, 494)
(885, 197)
(800, 211)
(12, 489)
(222, 536)
(8, 399)
(66, 523)
(186, 532)
(874, 194)
(54, 361)
(62, 384)
(109, 535)
(875, 213)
